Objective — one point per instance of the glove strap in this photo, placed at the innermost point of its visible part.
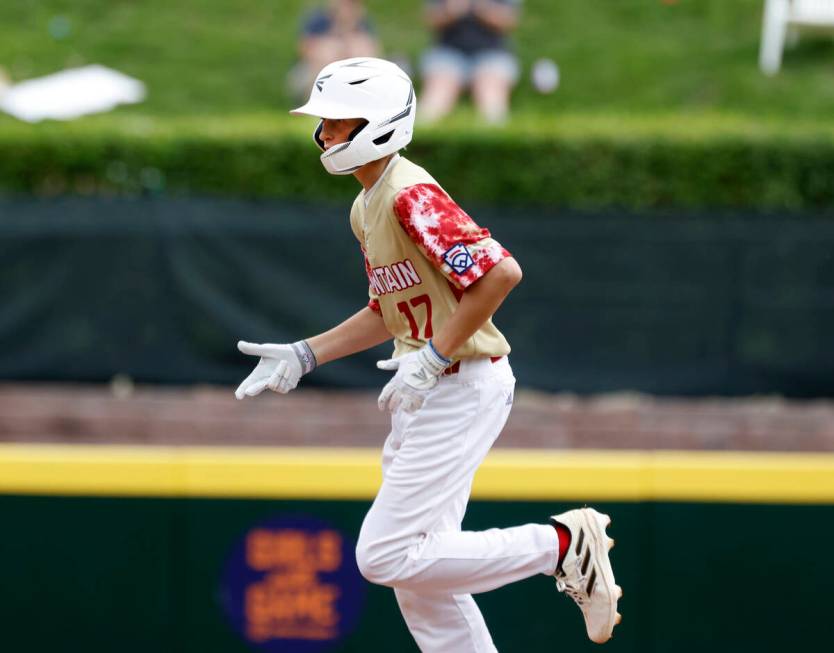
(305, 356)
(432, 360)
(446, 361)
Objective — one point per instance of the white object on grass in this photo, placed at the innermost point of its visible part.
(545, 75)
(70, 94)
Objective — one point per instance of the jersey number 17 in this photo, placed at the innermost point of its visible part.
(405, 309)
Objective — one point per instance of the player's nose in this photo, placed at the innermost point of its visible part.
(325, 135)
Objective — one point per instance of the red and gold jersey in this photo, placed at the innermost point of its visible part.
(421, 252)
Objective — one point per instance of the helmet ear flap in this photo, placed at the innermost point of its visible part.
(317, 135)
(358, 129)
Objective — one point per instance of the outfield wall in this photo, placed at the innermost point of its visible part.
(162, 289)
(200, 549)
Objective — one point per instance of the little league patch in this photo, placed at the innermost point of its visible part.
(458, 258)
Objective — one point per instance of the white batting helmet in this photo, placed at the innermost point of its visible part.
(362, 87)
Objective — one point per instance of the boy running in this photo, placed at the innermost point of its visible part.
(435, 280)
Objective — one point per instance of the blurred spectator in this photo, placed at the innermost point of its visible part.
(339, 30)
(470, 51)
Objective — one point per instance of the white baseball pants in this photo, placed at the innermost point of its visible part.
(411, 538)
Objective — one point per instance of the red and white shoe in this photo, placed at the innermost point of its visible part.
(585, 573)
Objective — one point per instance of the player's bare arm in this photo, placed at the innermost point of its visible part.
(280, 367)
(417, 373)
(479, 302)
(361, 331)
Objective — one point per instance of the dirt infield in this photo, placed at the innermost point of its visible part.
(120, 413)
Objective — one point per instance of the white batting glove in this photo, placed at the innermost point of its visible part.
(280, 367)
(416, 375)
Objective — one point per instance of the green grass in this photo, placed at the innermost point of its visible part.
(222, 61)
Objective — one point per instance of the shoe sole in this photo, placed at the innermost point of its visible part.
(596, 523)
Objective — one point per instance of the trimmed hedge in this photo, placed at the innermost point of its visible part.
(607, 166)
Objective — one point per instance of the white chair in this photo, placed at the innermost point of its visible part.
(782, 15)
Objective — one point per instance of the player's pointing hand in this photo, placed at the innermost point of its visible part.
(279, 369)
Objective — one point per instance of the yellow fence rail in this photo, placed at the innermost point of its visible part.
(319, 473)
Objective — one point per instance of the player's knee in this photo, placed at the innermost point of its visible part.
(374, 564)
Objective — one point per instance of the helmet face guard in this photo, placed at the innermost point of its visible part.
(375, 90)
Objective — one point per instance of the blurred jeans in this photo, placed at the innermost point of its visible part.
(444, 60)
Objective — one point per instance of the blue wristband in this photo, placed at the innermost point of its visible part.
(447, 361)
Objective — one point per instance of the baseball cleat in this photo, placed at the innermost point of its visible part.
(585, 573)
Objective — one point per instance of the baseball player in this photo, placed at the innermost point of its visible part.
(435, 280)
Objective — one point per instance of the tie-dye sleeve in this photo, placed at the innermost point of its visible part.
(446, 235)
